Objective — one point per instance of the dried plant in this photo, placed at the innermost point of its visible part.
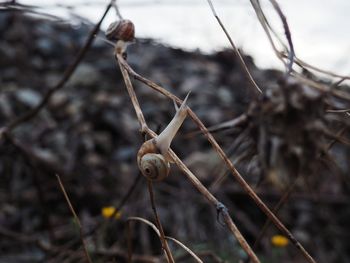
(286, 130)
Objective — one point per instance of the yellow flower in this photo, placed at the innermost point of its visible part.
(279, 241)
(109, 211)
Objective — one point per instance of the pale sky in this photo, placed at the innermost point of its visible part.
(319, 27)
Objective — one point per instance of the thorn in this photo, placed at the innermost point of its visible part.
(175, 105)
(183, 104)
(185, 100)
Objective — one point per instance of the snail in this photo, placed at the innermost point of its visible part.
(153, 158)
(123, 32)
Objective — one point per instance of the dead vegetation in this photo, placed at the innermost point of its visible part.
(286, 145)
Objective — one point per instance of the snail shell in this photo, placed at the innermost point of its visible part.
(153, 158)
(152, 164)
(121, 30)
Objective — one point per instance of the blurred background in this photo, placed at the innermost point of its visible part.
(295, 136)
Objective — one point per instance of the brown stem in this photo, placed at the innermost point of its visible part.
(159, 224)
(194, 180)
(76, 218)
(235, 49)
(223, 156)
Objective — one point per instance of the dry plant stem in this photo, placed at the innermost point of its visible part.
(323, 88)
(242, 119)
(156, 230)
(276, 209)
(264, 23)
(185, 248)
(159, 224)
(280, 55)
(287, 33)
(76, 218)
(200, 187)
(304, 64)
(132, 94)
(116, 8)
(287, 194)
(145, 221)
(337, 83)
(221, 209)
(241, 60)
(221, 153)
(67, 74)
(340, 133)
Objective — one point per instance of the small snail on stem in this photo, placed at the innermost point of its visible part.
(123, 32)
(153, 158)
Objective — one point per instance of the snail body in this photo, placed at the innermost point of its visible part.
(153, 158)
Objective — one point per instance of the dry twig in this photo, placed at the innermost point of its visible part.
(166, 248)
(156, 230)
(126, 70)
(221, 153)
(287, 33)
(235, 49)
(76, 218)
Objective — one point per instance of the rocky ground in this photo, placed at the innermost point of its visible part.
(89, 135)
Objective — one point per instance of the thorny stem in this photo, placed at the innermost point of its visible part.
(200, 187)
(222, 154)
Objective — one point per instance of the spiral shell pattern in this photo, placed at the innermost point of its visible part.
(121, 30)
(154, 166)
